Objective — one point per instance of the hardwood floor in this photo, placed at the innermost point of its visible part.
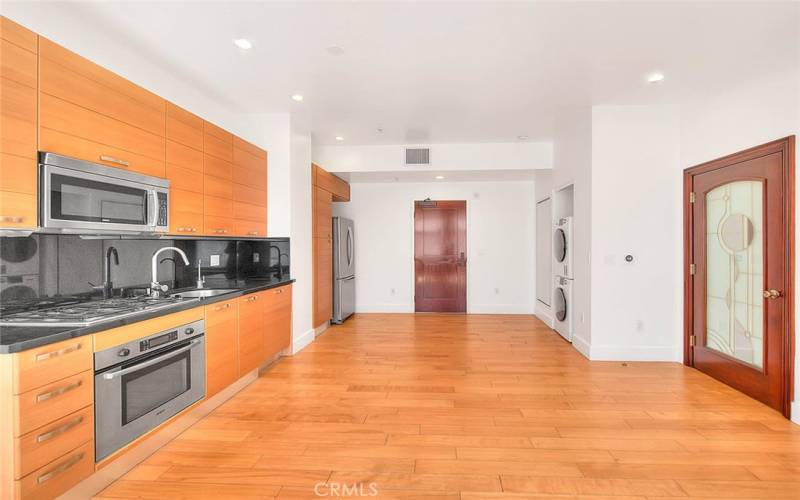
(474, 407)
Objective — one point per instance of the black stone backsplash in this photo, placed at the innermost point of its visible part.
(51, 265)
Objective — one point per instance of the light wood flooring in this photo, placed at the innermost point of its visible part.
(474, 407)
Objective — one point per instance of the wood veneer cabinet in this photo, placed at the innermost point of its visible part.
(265, 326)
(18, 108)
(326, 189)
(222, 349)
(184, 154)
(277, 320)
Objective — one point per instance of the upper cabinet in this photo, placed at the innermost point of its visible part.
(89, 112)
(185, 171)
(249, 189)
(339, 189)
(18, 170)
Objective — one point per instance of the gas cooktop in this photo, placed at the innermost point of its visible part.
(87, 313)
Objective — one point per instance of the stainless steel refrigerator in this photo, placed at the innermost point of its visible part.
(344, 269)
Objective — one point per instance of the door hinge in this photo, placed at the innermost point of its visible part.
(692, 269)
(692, 197)
(691, 340)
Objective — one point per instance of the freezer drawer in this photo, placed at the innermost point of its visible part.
(344, 298)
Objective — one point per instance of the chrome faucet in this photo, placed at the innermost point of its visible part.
(108, 286)
(157, 288)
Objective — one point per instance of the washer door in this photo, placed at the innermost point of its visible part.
(560, 305)
(560, 245)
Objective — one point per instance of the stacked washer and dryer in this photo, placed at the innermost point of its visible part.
(562, 271)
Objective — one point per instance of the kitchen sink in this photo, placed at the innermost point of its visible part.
(204, 292)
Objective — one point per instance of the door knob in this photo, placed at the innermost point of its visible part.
(771, 294)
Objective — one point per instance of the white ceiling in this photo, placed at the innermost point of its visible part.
(430, 176)
(450, 72)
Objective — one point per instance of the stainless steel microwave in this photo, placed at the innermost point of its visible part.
(77, 196)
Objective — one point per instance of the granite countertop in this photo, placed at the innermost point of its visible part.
(20, 338)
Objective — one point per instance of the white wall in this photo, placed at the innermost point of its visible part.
(300, 204)
(500, 243)
(543, 189)
(572, 160)
(636, 210)
(484, 156)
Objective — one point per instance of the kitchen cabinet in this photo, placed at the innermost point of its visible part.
(249, 189)
(326, 189)
(222, 350)
(218, 187)
(91, 113)
(252, 347)
(277, 320)
(184, 157)
(46, 419)
(18, 111)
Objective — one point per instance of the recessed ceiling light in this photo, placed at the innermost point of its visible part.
(297, 97)
(655, 77)
(243, 43)
(439, 177)
(522, 137)
(339, 138)
(335, 50)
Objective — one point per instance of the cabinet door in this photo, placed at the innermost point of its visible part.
(278, 319)
(249, 188)
(252, 350)
(18, 166)
(323, 211)
(222, 351)
(323, 276)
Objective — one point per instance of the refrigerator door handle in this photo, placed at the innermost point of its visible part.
(348, 278)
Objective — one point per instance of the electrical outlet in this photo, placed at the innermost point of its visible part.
(214, 260)
(497, 291)
(256, 257)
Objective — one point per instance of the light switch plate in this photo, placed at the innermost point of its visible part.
(256, 257)
(214, 260)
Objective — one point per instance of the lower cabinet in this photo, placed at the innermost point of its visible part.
(323, 280)
(222, 351)
(277, 320)
(252, 350)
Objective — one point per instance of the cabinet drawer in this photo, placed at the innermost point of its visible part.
(184, 156)
(86, 149)
(218, 226)
(17, 210)
(215, 186)
(43, 365)
(51, 402)
(44, 445)
(60, 475)
(251, 228)
(185, 222)
(249, 212)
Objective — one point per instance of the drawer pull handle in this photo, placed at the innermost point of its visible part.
(219, 308)
(58, 431)
(111, 159)
(54, 354)
(253, 298)
(220, 231)
(11, 218)
(57, 392)
(60, 468)
(253, 233)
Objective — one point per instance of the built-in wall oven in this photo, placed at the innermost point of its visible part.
(81, 197)
(142, 383)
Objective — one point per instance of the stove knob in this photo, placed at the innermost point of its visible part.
(123, 352)
(189, 331)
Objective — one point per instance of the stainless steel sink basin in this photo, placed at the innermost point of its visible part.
(201, 293)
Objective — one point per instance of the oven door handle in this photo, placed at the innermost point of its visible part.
(150, 362)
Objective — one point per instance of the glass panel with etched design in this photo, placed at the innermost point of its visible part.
(735, 271)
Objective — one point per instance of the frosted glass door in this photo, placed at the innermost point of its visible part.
(735, 271)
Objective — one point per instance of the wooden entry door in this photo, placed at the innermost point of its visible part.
(739, 282)
(440, 264)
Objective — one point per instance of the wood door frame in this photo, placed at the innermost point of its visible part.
(466, 251)
(786, 146)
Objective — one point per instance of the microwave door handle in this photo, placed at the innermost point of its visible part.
(150, 362)
(152, 207)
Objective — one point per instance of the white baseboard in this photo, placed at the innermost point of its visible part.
(796, 412)
(580, 345)
(299, 343)
(499, 309)
(384, 308)
(626, 353)
(545, 314)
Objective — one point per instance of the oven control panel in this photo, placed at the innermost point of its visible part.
(158, 340)
(130, 350)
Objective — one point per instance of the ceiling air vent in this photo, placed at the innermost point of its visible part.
(418, 156)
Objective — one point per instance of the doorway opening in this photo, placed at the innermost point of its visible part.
(440, 262)
(739, 271)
